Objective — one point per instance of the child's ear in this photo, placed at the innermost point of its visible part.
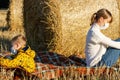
(101, 19)
(18, 46)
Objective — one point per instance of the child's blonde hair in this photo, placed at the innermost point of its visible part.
(20, 39)
(101, 13)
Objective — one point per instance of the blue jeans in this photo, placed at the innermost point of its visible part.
(110, 57)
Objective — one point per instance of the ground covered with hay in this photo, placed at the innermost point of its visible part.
(70, 74)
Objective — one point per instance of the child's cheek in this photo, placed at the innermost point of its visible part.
(15, 46)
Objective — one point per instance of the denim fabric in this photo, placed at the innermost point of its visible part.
(110, 57)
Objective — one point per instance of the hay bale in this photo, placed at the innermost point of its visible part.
(76, 19)
(3, 15)
(16, 20)
(118, 2)
(42, 24)
(13, 20)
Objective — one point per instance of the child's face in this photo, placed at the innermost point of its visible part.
(16, 45)
(107, 20)
(104, 21)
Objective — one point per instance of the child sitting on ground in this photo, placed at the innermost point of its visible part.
(24, 57)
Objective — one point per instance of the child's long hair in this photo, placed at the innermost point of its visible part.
(101, 13)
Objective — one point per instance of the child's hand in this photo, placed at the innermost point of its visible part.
(6, 54)
(1, 55)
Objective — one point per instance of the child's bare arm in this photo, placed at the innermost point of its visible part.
(5, 54)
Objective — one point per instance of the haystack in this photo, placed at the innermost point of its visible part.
(76, 19)
(118, 2)
(16, 18)
(3, 15)
(42, 24)
(58, 25)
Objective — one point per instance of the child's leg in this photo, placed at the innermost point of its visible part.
(111, 56)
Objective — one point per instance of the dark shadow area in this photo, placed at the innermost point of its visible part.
(78, 59)
(4, 29)
(39, 24)
(35, 27)
(4, 4)
(20, 74)
(4, 45)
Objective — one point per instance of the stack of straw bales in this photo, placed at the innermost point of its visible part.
(59, 25)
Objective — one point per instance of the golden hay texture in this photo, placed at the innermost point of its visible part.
(76, 19)
(57, 25)
(16, 16)
(39, 20)
(14, 20)
(3, 15)
(6, 74)
(118, 2)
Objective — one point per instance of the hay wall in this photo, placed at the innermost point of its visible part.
(16, 19)
(118, 2)
(58, 25)
(76, 19)
(42, 24)
(3, 15)
(13, 20)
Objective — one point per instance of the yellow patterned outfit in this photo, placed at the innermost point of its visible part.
(24, 59)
